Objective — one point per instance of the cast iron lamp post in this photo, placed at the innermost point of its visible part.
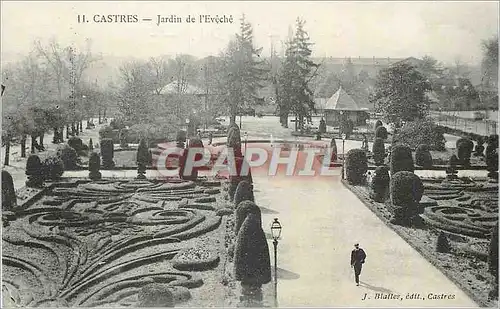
(343, 154)
(246, 139)
(276, 233)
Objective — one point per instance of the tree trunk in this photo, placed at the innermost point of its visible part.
(23, 146)
(99, 116)
(61, 134)
(296, 123)
(67, 131)
(7, 152)
(41, 140)
(232, 119)
(55, 139)
(104, 113)
(33, 143)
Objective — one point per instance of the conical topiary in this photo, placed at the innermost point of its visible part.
(94, 166)
(333, 149)
(378, 124)
(442, 243)
(356, 165)
(9, 199)
(142, 159)
(244, 191)
(378, 150)
(34, 171)
(107, 153)
(242, 210)
(194, 143)
(479, 149)
(401, 159)
(234, 140)
(252, 265)
(380, 184)
(464, 150)
(381, 132)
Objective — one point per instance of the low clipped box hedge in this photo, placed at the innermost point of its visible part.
(401, 159)
(356, 166)
(423, 156)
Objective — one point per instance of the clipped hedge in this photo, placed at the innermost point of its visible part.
(401, 159)
(252, 265)
(356, 165)
(423, 156)
(380, 184)
(378, 150)
(493, 253)
(464, 150)
(155, 295)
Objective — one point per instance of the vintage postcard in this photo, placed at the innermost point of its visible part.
(249, 154)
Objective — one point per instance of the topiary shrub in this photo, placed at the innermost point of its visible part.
(53, 168)
(464, 150)
(493, 253)
(91, 145)
(106, 132)
(442, 243)
(244, 191)
(378, 124)
(356, 165)
(94, 166)
(380, 184)
(451, 169)
(75, 143)
(378, 150)
(181, 138)
(155, 295)
(252, 265)
(479, 149)
(142, 159)
(9, 198)
(493, 140)
(34, 172)
(68, 156)
(406, 191)
(242, 210)
(423, 156)
(381, 132)
(333, 147)
(419, 132)
(107, 153)
(401, 159)
(322, 126)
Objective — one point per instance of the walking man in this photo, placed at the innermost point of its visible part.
(358, 257)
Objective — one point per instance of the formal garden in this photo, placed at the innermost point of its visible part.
(451, 220)
(97, 241)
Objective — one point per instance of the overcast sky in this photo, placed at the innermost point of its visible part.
(445, 30)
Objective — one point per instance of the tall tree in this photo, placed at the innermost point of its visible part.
(297, 71)
(400, 94)
(489, 64)
(243, 72)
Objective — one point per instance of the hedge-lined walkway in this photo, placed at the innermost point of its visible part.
(321, 220)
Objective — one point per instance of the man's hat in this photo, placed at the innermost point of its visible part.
(356, 244)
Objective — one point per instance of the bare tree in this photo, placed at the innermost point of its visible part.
(160, 73)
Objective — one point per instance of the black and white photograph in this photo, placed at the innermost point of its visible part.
(249, 154)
